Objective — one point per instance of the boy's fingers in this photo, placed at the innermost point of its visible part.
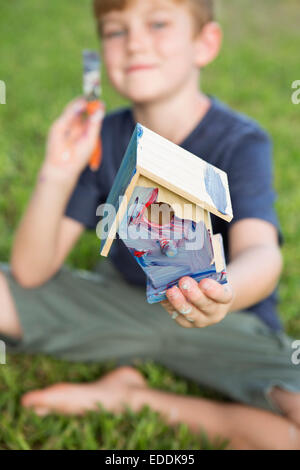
(93, 125)
(183, 306)
(181, 321)
(206, 294)
(194, 318)
(176, 316)
(90, 134)
(93, 106)
(75, 106)
(70, 113)
(221, 293)
(87, 129)
(97, 116)
(178, 300)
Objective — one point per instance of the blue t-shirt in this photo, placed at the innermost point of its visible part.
(225, 138)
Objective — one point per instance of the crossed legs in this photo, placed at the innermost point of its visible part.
(245, 427)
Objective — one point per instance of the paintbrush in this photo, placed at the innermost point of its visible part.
(92, 92)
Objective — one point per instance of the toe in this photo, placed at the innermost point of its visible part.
(34, 398)
(41, 411)
(34, 401)
(47, 399)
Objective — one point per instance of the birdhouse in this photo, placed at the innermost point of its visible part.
(160, 206)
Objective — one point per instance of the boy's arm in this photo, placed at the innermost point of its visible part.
(255, 261)
(45, 236)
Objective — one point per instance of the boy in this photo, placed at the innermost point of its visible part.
(230, 340)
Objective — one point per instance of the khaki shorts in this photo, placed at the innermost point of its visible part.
(97, 316)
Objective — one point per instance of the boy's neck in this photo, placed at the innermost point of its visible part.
(175, 117)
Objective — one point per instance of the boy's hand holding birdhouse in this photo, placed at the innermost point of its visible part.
(196, 305)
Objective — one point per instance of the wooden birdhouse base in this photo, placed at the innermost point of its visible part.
(157, 295)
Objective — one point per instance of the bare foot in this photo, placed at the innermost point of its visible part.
(112, 391)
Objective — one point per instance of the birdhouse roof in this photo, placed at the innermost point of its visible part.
(182, 172)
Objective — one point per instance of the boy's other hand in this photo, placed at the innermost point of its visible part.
(196, 305)
(72, 139)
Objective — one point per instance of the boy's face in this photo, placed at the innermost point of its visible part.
(149, 50)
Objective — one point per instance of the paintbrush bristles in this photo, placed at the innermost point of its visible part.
(91, 74)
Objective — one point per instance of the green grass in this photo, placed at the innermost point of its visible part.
(41, 45)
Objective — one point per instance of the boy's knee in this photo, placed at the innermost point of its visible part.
(24, 281)
(4, 292)
(3, 282)
(288, 402)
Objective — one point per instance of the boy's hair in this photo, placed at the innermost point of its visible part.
(202, 10)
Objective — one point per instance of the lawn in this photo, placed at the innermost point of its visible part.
(40, 62)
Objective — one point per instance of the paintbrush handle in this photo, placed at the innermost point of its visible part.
(96, 156)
